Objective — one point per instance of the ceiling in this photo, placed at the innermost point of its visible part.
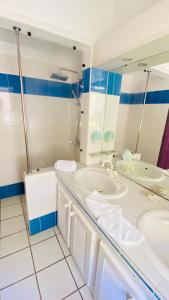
(86, 21)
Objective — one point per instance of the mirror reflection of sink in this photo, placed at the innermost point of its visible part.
(140, 170)
(91, 179)
(155, 225)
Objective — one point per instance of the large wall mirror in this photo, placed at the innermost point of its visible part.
(142, 125)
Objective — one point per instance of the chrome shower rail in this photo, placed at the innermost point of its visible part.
(17, 32)
(142, 112)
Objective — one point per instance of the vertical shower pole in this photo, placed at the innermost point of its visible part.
(17, 33)
(142, 112)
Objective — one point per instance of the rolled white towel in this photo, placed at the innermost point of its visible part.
(98, 205)
(66, 165)
(120, 229)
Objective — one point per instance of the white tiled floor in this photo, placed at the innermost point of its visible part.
(38, 267)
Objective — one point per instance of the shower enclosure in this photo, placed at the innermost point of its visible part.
(51, 102)
(45, 125)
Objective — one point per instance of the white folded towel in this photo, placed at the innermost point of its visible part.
(66, 165)
(120, 229)
(165, 172)
(98, 205)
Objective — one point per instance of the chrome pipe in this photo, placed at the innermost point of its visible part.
(142, 112)
(17, 32)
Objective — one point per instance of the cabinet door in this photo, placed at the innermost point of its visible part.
(64, 205)
(108, 285)
(113, 281)
(83, 245)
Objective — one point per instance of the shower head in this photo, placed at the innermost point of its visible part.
(59, 76)
(64, 74)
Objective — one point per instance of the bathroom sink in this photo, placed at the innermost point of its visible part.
(140, 170)
(91, 179)
(155, 225)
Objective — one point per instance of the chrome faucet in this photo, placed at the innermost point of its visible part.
(110, 168)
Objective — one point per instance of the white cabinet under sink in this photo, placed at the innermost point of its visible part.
(64, 208)
(106, 274)
(114, 281)
(78, 234)
(83, 245)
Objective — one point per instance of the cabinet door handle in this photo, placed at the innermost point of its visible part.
(66, 205)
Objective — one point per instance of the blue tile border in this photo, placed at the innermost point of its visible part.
(101, 81)
(93, 79)
(85, 84)
(43, 223)
(34, 86)
(11, 190)
(152, 97)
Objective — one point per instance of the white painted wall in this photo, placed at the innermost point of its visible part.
(52, 121)
(84, 21)
(138, 31)
(39, 58)
(153, 121)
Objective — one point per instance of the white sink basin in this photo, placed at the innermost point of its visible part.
(155, 225)
(91, 179)
(140, 170)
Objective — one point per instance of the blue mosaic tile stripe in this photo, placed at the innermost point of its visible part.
(85, 85)
(101, 81)
(11, 190)
(153, 97)
(35, 86)
(43, 223)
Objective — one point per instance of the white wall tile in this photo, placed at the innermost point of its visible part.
(52, 122)
(50, 130)
(12, 153)
(5, 118)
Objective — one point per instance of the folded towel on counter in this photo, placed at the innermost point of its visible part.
(66, 165)
(120, 229)
(98, 205)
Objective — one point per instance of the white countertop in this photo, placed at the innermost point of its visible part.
(133, 204)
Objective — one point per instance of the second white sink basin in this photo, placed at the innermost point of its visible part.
(91, 179)
(155, 225)
(140, 170)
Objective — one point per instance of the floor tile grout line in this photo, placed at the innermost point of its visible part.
(78, 290)
(12, 217)
(64, 298)
(32, 256)
(42, 241)
(33, 274)
(54, 263)
(64, 257)
(67, 262)
(3, 206)
(14, 252)
(5, 236)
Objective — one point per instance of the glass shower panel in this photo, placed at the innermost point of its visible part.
(52, 108)
(12, 150)
(128, 112)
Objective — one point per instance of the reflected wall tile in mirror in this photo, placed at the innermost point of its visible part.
(95, 79)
